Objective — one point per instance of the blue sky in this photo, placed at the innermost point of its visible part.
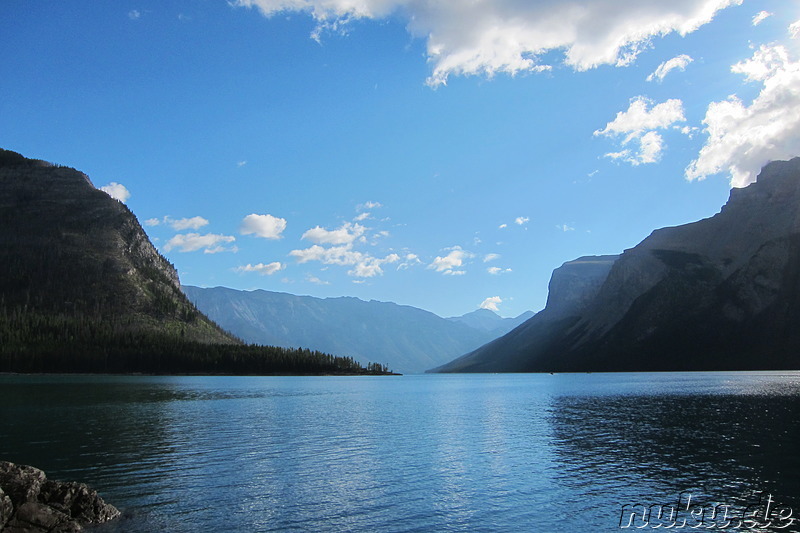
(437, 154)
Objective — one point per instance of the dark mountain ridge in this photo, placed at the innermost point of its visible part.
(82, 289)
(722, 293)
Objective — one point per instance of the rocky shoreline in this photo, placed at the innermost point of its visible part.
(31, 503)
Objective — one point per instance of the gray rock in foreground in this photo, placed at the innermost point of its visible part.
(31, 503)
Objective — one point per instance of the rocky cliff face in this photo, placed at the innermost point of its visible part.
(68, 249)
(721, 293)
(576, 283)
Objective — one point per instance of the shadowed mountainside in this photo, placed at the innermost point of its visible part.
(722, 293)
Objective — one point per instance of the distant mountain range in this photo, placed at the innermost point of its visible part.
(722, 293)
(407, 339)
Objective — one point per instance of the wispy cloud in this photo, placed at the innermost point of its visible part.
(521, 221)
(486, 38)
(490, 257)
(760, 17)
(495, 271)
(741, 138)
(368, 205)
(679, 62)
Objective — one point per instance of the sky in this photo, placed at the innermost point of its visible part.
(444, 155)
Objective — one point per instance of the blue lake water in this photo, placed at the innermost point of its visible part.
(519, 452)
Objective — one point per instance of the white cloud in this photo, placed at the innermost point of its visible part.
(742, 139)
(265, 226)
(364, 265)
(565, 228)
(760, 17)
(134, 14)
(450, 263)
(679, 62)
(521, 220)
(363, 216)
(368, 205)
(502, 226)
(369, 266)
(497, 270)
(510, 36)
(261, 268)
(116, 191)
(638, 125)
(409, 261)
(186, 223)
(346, 234)
(794, 29)
(491, 303)
(152, 222)
(490, 257)
(191, 242)
(241, 163)
(316, 280)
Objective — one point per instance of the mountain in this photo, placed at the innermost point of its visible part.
(490, 322)
(405, 338)
(722, 293)
(83, 289)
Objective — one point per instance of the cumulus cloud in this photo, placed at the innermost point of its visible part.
(314, 279)
(261, 268)
(638, 125)
(497, 270)
(491, 303)
(210, 243)
(364, 265)
(508, 36)
(264, 226)
(116, 191)
(345, 234)
(451, 263)
(741, 138)
(520, 221)
(679, 62)
(760, 17)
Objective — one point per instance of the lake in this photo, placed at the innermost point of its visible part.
(513, 452)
